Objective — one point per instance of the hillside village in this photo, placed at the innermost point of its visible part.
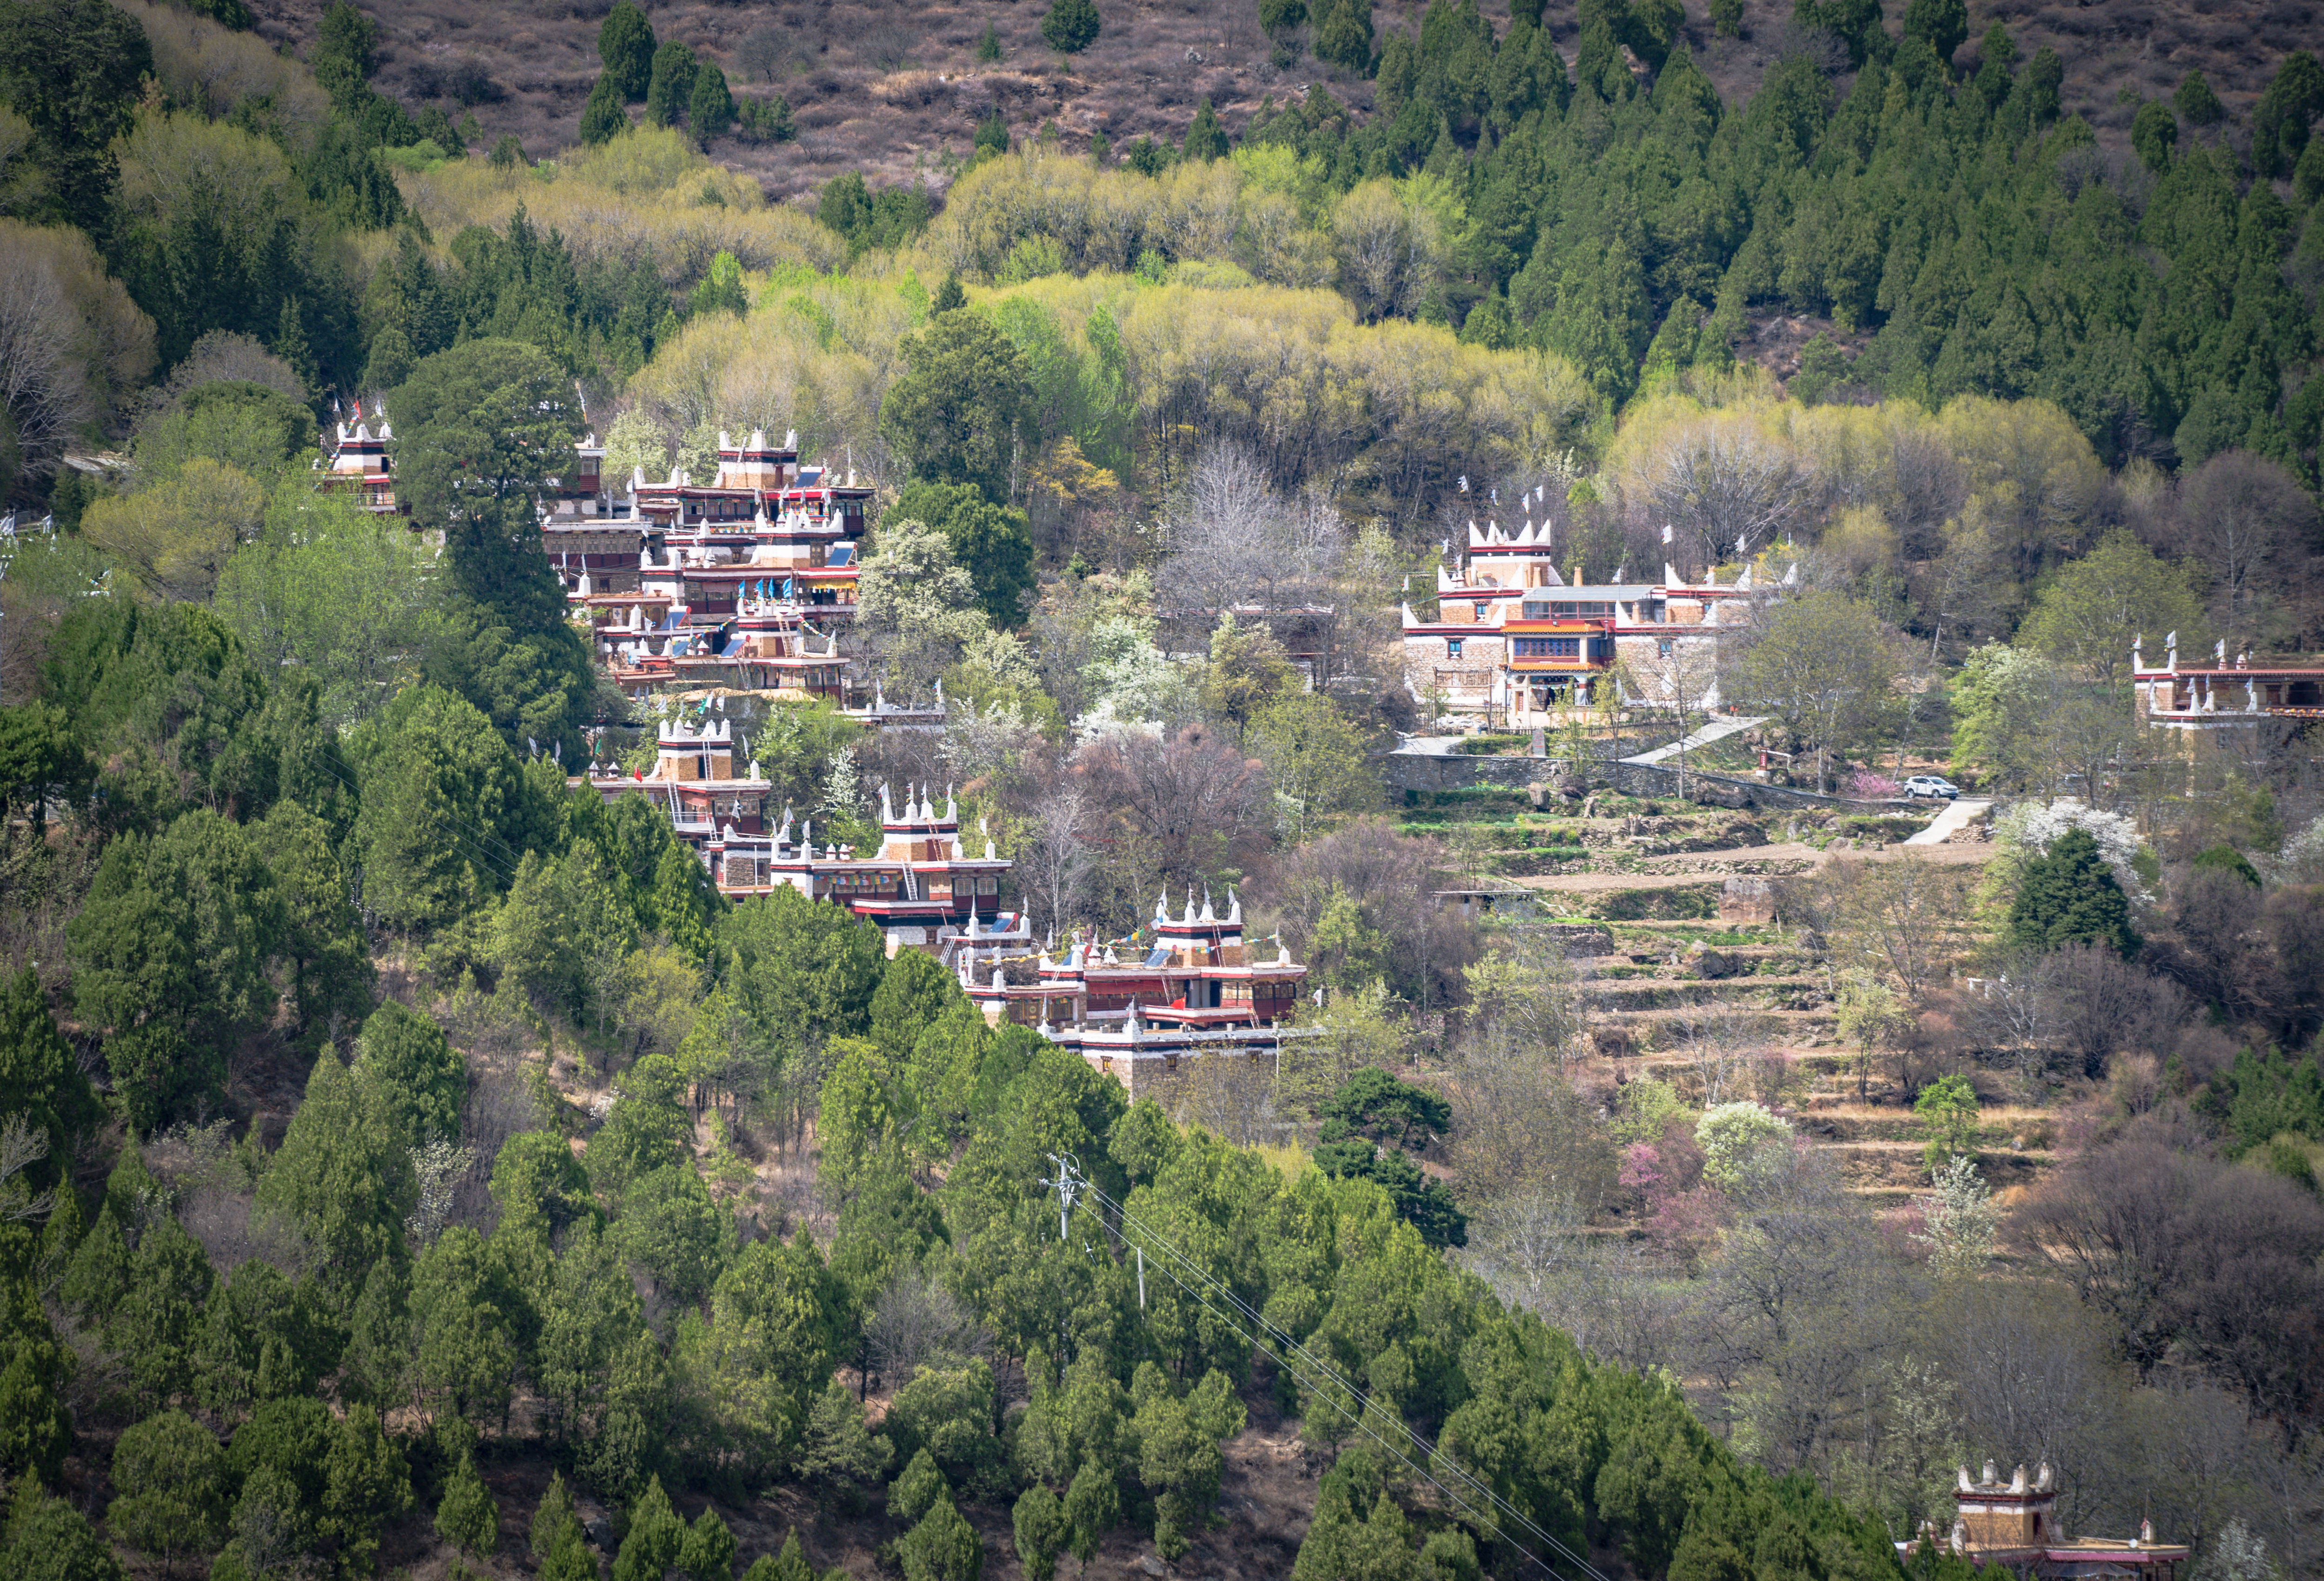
(1340, 789)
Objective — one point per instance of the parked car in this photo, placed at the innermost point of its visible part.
(1921, 785)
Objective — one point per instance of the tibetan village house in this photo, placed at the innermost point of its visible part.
(2223, 704)
(1198, 991)
(1515, 641)
(2015, 1526)
(359, 466)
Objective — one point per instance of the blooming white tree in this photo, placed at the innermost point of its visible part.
(1741, 1143)
(1961, 1218)
(2031, 830)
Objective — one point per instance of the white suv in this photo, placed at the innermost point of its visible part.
(1937, 785)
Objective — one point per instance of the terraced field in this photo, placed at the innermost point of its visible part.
(1703, 988)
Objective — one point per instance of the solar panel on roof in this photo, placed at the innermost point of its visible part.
(1159, 956)
(842, 554)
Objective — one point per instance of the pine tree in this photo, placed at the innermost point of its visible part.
(2195, 100)
(1343, 38)
(710, 107)
(2069, 896)
(1071, 26)
(707, 1553)
(602, 119)
(466, 1517)
(988, 46)
(1039, 1524)
(2153, 133)
(943, 1547)
(950, 296)
(625, 43)
(1207, 140)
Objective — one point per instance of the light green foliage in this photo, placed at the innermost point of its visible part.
(790, 1564)
(707, 1554)
(168, 1500)
(466, 1517)
(2095, 607)
(1948, 1107)
(917, 1489)
(805, 971)
(656, 1537)
(256, 431)
(856, 1115)
(917, 605)
(1820, 665)
(340, 592)
(1739, 1142)
(948, 1413)
(1316, 762)
(344, 1176)
(1646, 1105)
(943, 1547)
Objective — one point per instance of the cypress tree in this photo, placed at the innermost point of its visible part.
(2196, 101)
(466, 1518)
(1207, 140)
(1071, 26)
(625, 43)
(2153, 135)
(2069, 896)
(671, 87)
(710, 107)
(602, 119)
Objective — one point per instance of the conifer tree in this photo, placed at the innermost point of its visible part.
(1207, 140)
(2194, 100)
(602, 119)
(670, 89)
(1343, 38)
(2069, 896)
(988, 45)
(710, 106)
(1071, 26)
(625, 43)
(466, 1517)
(707, 1554)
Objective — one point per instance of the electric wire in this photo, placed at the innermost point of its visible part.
(1329, 1372)
(1361, 1419)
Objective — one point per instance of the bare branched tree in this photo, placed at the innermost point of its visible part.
(1053, 854)
(1732, 489)
(1232, 540)
(918, 1323)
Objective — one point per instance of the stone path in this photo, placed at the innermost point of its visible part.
(1955, 818)
(1717, 730)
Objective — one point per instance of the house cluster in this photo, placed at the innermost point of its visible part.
(2226, 702)
(1519, 643)
(2014, 1525)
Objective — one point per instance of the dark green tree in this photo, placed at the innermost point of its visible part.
(169, 1497)
(45, 1538)
(992, 135)
(35, 1424)
(671, 89)
(956, 415)
(656, 1537)
(365, 1485)
(344, 1176)
(1205, 140)
(951, 296)
(1943, 23)
(2068, 895)
(447, 812)
(944, 1547)
(417, 1075)
(170, 953)
(1071, 26)
(625, 43)
(2153, 133)
(1343, 35)
(71, 68)
(603, 118)
(988, 45)
(991, 542)
(322, 932)
(40, 1080)
(2196, 102)
(2279, 122)
(40, 761)
(709, 104)
(1039, 1523)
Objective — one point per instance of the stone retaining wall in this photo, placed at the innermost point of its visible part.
(1422, 771)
